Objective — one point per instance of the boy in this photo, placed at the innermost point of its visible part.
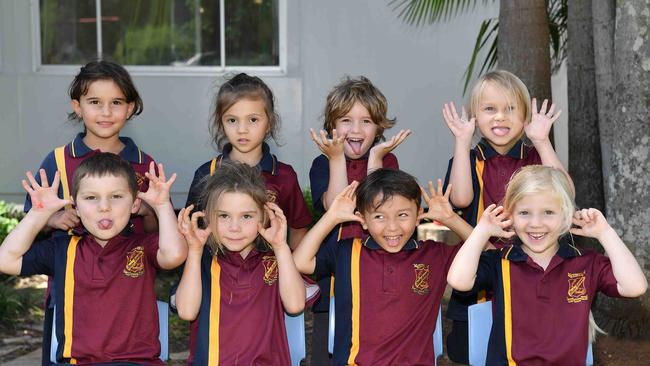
(388, 287)
(104, 276)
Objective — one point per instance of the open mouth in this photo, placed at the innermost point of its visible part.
(393, 241)
(105, 224)
(355, 145)
(500, 131)
(537, 236)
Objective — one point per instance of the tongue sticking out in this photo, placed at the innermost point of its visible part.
(105, 224)
(355, 146)
(500, 131)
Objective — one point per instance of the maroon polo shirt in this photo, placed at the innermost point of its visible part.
(386, 303)
(105, 300)
(546, 311)
(241, 319)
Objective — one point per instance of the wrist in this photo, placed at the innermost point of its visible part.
(167, 205)
(606, 233)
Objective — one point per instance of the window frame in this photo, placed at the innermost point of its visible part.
(150, 70)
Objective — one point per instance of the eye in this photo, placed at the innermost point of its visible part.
(222, 216)
(549, 212)
(488, 109)
(230, 121)
(89, 198)
(403, 214)
(117, 102)
(345, 120)
(523, 213)
(247, 216)
(378, 217)
(254, 119)
(116, 196)
(95, 102)
(367, 121)
(511, 108)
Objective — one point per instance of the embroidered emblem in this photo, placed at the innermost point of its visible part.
(577, 291)
(270, 269)
(135, 262)
(421, 284)
(139, 178)
(272, 196)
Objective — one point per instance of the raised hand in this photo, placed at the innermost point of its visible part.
(276, 233)
(380, 150)
(590, 223)
(541, 121)
(438, 202)
(461, 128)
(343, 206)
(159, 187)
(44, 198)
(64, 220)
(329, 147)
(495, 222)
(189, 228)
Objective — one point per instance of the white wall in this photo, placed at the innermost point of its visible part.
(418, 69)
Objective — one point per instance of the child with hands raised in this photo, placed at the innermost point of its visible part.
(244, 279)
(388, 275)
(104, 276)
(541, 272)
(500, 107)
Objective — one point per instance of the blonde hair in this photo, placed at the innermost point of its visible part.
(538, 179)
(343, 96)
(232, 176)
(511, 86)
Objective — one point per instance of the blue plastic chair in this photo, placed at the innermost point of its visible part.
(479, 317)
(163, 337)
(437, 334)
(295, 325)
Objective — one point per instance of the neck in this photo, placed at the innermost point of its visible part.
(112, 144)
(251, 158)
(246, 251)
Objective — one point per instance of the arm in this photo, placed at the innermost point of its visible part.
(440, 210)
(462, 273)
(45, 202)
(461, 172)
(338, 174)
(377, 152)
(631, 281)
(292, 288)
(538, 131)
(295, 236)
(189, 291)
(342, 210)
(172, 249)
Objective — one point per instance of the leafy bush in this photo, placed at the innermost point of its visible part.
(10, 214)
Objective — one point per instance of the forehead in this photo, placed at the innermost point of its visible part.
(102, 88)
(236, 202)
(541, 199)
(247, 106)
(395, 203)
(108, 182)
(495, 93)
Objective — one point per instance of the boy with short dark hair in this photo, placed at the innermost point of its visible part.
(389, 286)
(105, 302)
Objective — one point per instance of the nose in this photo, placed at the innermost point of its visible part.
(234, 225)
(106, 109)
(356, 126)
(535, 220)
(242, 127)
(391, 225)
(104, 205)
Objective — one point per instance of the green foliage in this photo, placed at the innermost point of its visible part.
(315, 215)
(9, 217)
(16, 305)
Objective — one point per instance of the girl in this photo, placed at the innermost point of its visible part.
(541, 272)
(352, 143)
(244, 117)
(244, 280)
(501, 108)
(103, 97)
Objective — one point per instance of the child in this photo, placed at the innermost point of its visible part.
(238, 287)
(104, 276)
(388, 286)
(244, 117)
(500, 106)
(351, 142)
(541, 272)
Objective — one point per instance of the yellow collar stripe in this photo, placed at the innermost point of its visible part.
(480, 164)
(356, 303)
(215, 308)
(213, 166)
(59, 157)
(69, 298)
(507, 309)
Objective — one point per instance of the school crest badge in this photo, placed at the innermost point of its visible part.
(135, 262)
(421, 284)
(577, 291)
(271, 195)
(270, 264)
(140, 179)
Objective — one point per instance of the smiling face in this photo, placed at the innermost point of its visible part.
(246, 126)
(105, 204)
(360, 131)
(235, 221)
(538, 220)
(499, 118)
(393, 223)
(104, 111)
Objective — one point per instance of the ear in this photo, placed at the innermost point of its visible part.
(76, 107)
(363, 220)
(74, 205)
(130, 110)
(420, 213)
(136, 206)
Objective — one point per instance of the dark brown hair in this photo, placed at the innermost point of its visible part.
(102, 164)
(383, 184)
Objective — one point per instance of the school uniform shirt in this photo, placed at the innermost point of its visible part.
(319, 176)
(66, 160)
(491, 173)
(241, 318)
(105, 300)
(386, 303)
(541, 317)
(281, 181)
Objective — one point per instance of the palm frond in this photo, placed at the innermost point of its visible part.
(488, 32)
(557, 21)
(420, 12)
